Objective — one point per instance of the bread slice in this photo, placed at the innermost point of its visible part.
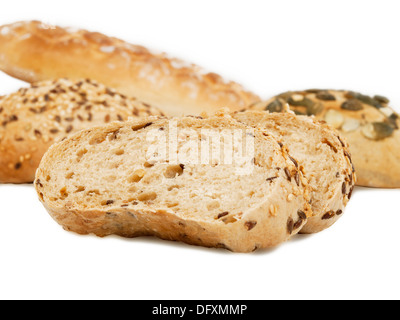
(369, 124)
(323, 154)
(177, 87)
(172, 179)
(34, 118)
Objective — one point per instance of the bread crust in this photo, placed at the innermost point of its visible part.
(340, 186)
(368, 124)
(34, 118)
(265, 230)
(178, 88)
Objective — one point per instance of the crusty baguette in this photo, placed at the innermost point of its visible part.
(34, 118)
(33, 51)
(116, 180)
(369, 125)
(322, 153)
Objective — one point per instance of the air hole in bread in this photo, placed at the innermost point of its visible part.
(137, 176)
(97, 140)
(64, 193)
(119, 152)
(69, 175)
(229, 219)
(172, 205)
(147, 196)
(174, 171)
(171, 188)
(93, 192)
(80, 189)
(148, 165)
(80, 154)
(48, 178)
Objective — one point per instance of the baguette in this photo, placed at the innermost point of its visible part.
(323, 155)
(369, 124)
(115, 179)
(178, 88)
(34, 118)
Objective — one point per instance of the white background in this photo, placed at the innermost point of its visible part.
(269, 46)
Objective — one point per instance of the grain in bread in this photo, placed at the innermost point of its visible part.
(177, 87)
(321, 153)
(116, 179)
(369, 124)
(34, 118)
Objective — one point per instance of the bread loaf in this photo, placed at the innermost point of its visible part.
(116, 179)
(178, 88)
(321, 153)
(369, 125)
(34, 118)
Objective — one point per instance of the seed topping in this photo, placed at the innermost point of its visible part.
(250, 225)
(377, 131)
(275, 106)
(325, 96)
(352, 105)
(60, 102)
(328, 215)
(288, 174)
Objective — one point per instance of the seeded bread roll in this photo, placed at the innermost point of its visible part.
(321, 153)
(178, 88)
(369, 125)
(34, 118)
(118, 180)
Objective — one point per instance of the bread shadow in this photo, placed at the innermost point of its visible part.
(168, 243)
(16, 185)
(218, 251)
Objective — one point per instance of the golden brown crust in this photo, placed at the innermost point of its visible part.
(34, 118)
(368, 124)
(272, 221)
(176, 87)
(330, 192)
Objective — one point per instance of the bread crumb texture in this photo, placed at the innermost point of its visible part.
(117, 180)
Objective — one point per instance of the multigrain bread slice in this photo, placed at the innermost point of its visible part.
(369, 124)
(321, 152)
(177, 87)
(34, 118)
(119, 179)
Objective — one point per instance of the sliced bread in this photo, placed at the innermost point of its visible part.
(323, 154)
(167, 178)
